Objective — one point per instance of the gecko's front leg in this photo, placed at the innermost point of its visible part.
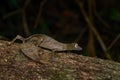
(53, 53)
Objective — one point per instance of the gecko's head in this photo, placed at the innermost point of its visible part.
(74, 46)
(77, 47)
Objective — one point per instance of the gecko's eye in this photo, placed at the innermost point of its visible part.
(78, 47)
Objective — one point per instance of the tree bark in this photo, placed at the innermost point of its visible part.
(15, 65)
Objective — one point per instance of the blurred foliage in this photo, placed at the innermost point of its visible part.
(13, 3)
(115, 15)
(95, 25)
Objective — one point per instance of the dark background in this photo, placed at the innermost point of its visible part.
(93, 24)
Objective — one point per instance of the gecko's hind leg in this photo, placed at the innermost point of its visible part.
(18, 37)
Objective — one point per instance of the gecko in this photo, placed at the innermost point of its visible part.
(30, 45)
(48, 42)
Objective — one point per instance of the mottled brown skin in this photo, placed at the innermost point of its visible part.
(45, 41)
(50, 43)
(30, 45)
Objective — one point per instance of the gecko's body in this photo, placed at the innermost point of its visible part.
(50, 43)
(30, 45)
